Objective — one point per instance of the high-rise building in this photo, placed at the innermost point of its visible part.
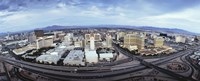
(108, 41)
(90, 49)
(39, 43)
(32, 38)
(44, 42)
(87, 36)
(158, 42)
(48, 41)
(96, 36)
(39, 33)
(92, 44)
(180, 39)
(59, 35)
(78, 43)
(119, 35)
(134, 40)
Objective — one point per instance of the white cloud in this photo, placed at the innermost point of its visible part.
(64, 14)
(187, 19)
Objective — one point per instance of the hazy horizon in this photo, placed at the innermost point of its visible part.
(19, 15)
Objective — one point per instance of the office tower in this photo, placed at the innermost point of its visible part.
(158, 42)
(134, 40)
(180, 39)
(39, 33)
(108, 41)
(92, 44)
(44, 42)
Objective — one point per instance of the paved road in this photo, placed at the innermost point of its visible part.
(67, 73)
(17, 73)
(152, 65)
(194, 65)
(183, 59)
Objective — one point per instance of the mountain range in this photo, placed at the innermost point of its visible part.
(143, 28)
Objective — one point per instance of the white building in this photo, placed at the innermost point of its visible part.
(75, 57)
(134, 47)
(78, 43)
(108, 41)
(67, 39)
(39, 43)
(44, 42)
(106, 56)
(92, 44)
(48, 41)
(91, 56)
(180, 39)
(52, 56)
(48, 59)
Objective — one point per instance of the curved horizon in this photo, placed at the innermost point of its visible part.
(23, 15)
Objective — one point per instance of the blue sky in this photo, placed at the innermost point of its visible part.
(17, 15)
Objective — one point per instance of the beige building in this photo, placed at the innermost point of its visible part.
(180, 39)
(134, 40)
(59, 35)
(120, 34)
(78, 43)
(44, 42)
(96, 36)
(108, 41)
(158, 42)
(90, 48)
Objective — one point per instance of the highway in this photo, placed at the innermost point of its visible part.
(18, 74)
(183, 59)
(194, 65)
(67, 73)
(152, 65)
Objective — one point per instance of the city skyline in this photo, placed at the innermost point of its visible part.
(99, 40)
(119, 54)
(24, 14)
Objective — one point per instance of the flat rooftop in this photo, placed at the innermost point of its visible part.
(75, 57)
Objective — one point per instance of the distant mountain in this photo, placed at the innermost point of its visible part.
(54, 27)
(1, 34)
(140, 28)
(57, 27)
(144, 28)
(167, 30)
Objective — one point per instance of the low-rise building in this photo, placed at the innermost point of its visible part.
(48, 59)
(106, 56)
(52, 56)
(196, 55)
(75, 57)
(91, 56)
(23, 50)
